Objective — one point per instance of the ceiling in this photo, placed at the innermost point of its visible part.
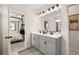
(35, 7)
(31, 6)
(38, 6)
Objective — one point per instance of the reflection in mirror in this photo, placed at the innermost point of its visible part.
(58, 25)
(12, 26)
(45, 27)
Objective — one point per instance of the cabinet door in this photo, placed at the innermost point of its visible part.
(43, 46)
(51, 48)
(36, 42)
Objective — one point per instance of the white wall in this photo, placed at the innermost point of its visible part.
(30, 21)
(3, 29)
(31, 26)
(74, 35)
(74, 9)
(64, 30)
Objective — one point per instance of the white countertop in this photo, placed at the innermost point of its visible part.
(55, 35)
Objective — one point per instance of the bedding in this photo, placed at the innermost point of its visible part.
(16, 37)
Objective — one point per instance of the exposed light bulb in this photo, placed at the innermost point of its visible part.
(47, 12)
(42, 14)
(56, 8)
(51, 10)
(59, 7)
(39, 15)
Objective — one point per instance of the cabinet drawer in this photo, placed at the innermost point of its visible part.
(52, 40)
(47, 47)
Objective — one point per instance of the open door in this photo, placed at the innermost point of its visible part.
(5, 30)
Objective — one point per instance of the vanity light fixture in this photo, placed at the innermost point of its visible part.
(47, 12)
(39, 14)
(42, 13)
(56, 7)
(50, 10)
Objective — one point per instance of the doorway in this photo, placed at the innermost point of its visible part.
(17, 31)
(74, 29)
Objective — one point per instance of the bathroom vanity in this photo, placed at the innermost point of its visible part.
(46, 43)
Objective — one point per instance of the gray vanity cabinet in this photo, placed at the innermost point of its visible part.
(43, 46)
(47, 45)
(50, 48)
(36, 41)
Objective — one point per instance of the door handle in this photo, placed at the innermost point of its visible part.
(8, 37)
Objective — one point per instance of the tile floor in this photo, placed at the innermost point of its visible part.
(17, 46)
(30, 51)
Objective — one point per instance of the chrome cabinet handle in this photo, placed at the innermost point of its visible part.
(45, 43)
(34, 38)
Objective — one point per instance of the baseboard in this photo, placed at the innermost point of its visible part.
(73, 51)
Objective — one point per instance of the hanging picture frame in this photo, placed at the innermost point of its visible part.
(74, 22)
